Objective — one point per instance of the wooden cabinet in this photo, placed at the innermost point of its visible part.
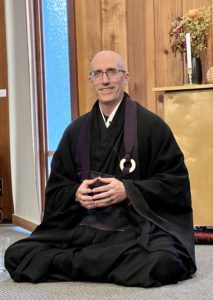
(189, 112)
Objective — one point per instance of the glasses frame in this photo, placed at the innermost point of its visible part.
(101, 73)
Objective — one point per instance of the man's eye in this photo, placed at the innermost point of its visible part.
(112, 71)
(97, 73)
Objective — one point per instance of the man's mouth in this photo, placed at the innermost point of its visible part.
(106, 89)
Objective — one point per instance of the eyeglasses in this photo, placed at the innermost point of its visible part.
(109, 72)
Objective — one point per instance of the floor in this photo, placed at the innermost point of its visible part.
(198, 288)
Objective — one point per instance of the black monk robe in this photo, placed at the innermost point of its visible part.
(158, 246)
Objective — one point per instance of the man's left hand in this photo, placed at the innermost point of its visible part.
(112, 192)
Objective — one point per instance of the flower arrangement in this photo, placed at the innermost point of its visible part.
(197, 22)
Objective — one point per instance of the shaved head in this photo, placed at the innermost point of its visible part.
(107, 55)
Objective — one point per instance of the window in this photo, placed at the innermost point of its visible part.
(56, 71)
(56, 66)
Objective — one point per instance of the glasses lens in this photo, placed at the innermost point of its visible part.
(98, 73)
(110, 73)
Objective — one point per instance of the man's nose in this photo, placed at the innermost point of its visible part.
(105, 77)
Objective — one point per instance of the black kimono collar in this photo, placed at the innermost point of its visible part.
(128, 162)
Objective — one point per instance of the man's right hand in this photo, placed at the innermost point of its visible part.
(83, 194)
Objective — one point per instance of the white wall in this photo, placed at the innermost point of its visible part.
(23, 159)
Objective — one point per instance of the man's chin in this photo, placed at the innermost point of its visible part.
(108, 99)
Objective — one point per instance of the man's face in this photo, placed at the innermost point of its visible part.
(108, 78)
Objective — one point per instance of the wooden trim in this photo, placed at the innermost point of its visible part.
(41, 97)
(183, 87)
(21, 222)
(160, 105)
(71, 20)
(6, 200)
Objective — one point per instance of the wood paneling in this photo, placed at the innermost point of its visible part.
(100, 24)
(141, 51)
(6, 202)
(165, 62)
(113, 26)
(139, 31)
(88, 39)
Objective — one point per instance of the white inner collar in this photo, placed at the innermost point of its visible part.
(111, 116)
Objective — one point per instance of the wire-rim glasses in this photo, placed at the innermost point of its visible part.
(110, 73)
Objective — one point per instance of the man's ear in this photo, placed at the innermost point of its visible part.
(126, 78)
(91, 82)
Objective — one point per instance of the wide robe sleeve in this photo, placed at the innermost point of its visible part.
(162, 195)
(61, 210)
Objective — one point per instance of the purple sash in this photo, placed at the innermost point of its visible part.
(130, 142)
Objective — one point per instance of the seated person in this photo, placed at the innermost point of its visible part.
(118, 206)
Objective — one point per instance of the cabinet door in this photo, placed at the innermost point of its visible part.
(189, 114)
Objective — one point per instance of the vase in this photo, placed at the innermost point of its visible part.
(196, 70)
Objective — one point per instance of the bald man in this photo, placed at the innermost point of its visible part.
(118, 206)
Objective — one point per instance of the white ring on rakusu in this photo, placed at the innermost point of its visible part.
(133, 164)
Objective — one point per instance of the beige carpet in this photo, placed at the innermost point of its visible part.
(198, 288)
